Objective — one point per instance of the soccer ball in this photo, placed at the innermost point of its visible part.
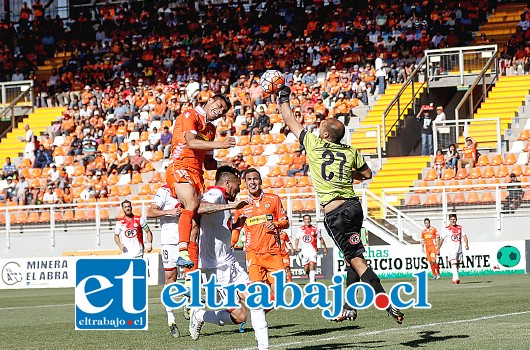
(508, 256)
(271, 81)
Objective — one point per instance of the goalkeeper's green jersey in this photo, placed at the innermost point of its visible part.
(331, 166)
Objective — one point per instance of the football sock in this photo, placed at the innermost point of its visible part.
(289, 277)
(218, 317)
(186, 217)
(170, 316)
(371, 278)
(454, 270)
(351, 277)
(437, 268)
(312, 276)
(433, 269)
(261, 328)
(193, 249)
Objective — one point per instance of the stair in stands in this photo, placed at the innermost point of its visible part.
(365, 138)
(398, 172)
(39, 121)
(503, 101)
(502, 23)
(45, 71)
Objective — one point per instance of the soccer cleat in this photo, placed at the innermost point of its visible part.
(241, 329)
(184, 260)
(186, 311)
(346, 315)
(174, 331)
(456, 281)
(195, 326)
(397, 315)
(437, 277)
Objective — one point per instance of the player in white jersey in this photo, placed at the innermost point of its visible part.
(129, 233)
(453, 235)
(216, 257)
(306, 244)
(167, 208)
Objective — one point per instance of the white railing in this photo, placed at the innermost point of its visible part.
(478, 200)
(372, 131)
(450, 131)
(9, 91)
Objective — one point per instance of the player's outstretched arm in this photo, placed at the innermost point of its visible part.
(288, 116)
(210, 208)
(155, 212)
(363, 173)
(194, 143)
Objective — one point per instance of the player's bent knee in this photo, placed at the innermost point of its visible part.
(239, 315)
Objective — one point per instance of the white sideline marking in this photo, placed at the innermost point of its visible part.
(50, 305)
(314, 340)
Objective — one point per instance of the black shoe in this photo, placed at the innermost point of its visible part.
(174, 331)
(396, 314)
(346, 315)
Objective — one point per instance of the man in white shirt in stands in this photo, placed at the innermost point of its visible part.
(50, 197)
(216, 257)
(167, 208)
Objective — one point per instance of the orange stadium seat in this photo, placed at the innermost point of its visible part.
(90, 214)
(290, 182)
(260, 160)
(68, 160)
(488, 173)
(144, 136)
(431, 175)
(432, 199)
(243, 140)
(481, 184)
(448, 174)
(414, 200)
(461, 174)
(517, 170)
(438, 183)
(68, 215)
(274, 171)
(124, 147)
(458, 198)
(113, 179)
(250, 161)
(275, 118)
(285, 159)
(246, 151)
(310, 205)
(510, 159)
(256, 140)
(25, 163)
(58, 151)
(34, 173)
(303, 181)
(472, 198)
(266, 182)
(79, 215)
(487, 197)
(77, 181)
(467, 183)
(496, 160)
(103, 214)
(279, 138)
(278, 183)
(45, 216)
(33, 217)
(22, 217)
(24, 172)
(526, 196)
(125, 190)
(267, 139)
(474, 173)
(483, 160)
(281, 149)
(257, 150)
(148, 167)
(114, 191)
(157, 177)
(157, 155)
(79, 170)
(145, 190)
(502, 171)
(222, 153)
(422, 187)
(112, 148)
(298, 205)
(526, 171)
(524, 135)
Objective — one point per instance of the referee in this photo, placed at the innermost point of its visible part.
(333, 168)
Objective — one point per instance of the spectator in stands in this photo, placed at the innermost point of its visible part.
(249, 124)
(469, 153)
(226, 127)
(439, 162)
(43, 158)
(28, 197)
(64, 179)
(165, 141)
(9, 169)
(67, 196)
(309, 78)
(100, 186)
(121, 165)
(89, 150)
(53, 176)
(239, 163)
(29, 149)
(87, 193)
(133, 147)
(76, 146)
(20, 188)
(8, 193)
(50, 197)
(440, 115)
(256, 93)
(426, 132)
(452, 157)
(263, 123)
(380, 72)
(515, 195)
(138, 161)
(359, 90)
(154, 141)
(298, 164)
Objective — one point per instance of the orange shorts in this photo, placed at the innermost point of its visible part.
(286, 260)
(431, 254)
(261, 266)
(175, 175)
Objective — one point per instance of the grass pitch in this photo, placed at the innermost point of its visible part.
(487, 312)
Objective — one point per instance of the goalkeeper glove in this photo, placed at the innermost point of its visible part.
(284, 94)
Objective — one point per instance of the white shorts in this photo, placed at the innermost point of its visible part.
(455, 256)
(308, 257)
(225, 275)
(170, 254)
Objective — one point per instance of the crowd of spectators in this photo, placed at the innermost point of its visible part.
(132, 68)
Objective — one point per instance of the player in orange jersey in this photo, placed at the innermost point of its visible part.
(192, 147)
(286, 247)
(262, 219)
(429, 245)
(265, 218)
